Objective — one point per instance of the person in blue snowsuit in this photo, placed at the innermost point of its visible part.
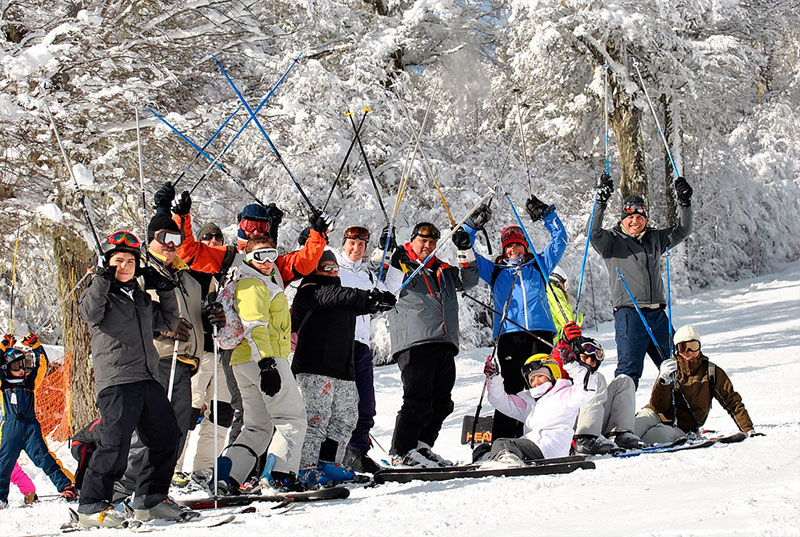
(22, 373)
(515, 278)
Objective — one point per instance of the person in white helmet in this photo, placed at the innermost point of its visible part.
(700, 381)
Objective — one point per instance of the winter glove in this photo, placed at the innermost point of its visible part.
(576, 369)
(461, 239)
(106, 272)
(387, 301)
(270, 377)
(320, 222)
(275, 216)
(32, 341)
(303, 237)
(480, 217)
(399, 258)
(667, 370)
(153, 279)
(572, 331)
(490, 368)
(537, 209)
(181, 332)
(380, 301)
(183, 205)
(163, 198)
(8, 342)
(215, 314)
(606, 189)
(683, 192)
(392, 241)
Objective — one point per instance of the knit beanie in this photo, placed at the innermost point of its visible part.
(634, 204)
(327, 256)
(211, 227)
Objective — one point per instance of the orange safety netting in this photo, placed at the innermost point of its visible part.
(54, 401)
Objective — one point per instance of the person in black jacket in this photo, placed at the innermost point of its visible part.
(324, 317)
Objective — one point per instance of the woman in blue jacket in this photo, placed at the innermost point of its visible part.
(515, 278)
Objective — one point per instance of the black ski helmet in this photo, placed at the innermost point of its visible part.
(9, 357)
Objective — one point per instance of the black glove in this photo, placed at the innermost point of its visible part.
(182, 332)
(183, 205)
(683, 192)
(270, 377)
(303, 237)
(380, 301)
(399, 256)
(387, 301)
(480, 217)
(320, 222)
(163, 198)
(106, 272)
(461, 239)
(153, 279)
(215, 314)
(275, 216)
(606, 189)
(537, 208)
(392, 241)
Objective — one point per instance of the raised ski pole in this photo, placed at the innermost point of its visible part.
(13, 284)
(491, 309)
(250, 111)
(346, 156)
(409, 163)
(58, 306)
(444, 239)
(189, 141)
(416, 136)
(516, 93)
(81, 197)
(369, 168)
(141, 181)
(669, 305)
(658, 124)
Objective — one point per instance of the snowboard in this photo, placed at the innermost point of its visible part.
(542, 467)
(333, 493)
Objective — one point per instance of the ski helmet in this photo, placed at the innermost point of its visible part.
(13, 360)
(541, 364)
(122, 241)
(512, 234)
(686, 333)
(559, 277)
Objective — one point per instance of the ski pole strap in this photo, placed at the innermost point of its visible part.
(641, 315)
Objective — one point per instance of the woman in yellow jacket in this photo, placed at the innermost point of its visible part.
(270, 398)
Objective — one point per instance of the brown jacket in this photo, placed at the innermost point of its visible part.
(692, 376)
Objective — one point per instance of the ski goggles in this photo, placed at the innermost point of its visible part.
(262, 255)
(166, 237)
(209, 236)
(595, 351)
(635, 208)
(357, 233)
(254, 226)
(18, 360)
(330, 267)
(688, 346)
(426, 231)
(124, 238)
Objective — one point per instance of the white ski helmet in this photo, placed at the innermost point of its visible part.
(559, 275)
(686, 333)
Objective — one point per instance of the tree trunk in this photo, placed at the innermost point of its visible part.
(626, 120)
(72, 256)
(672, 134)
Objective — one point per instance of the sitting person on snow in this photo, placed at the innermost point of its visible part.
(606, 422)
(547, 408)
(692, 381)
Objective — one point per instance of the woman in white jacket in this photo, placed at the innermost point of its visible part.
(547, 408)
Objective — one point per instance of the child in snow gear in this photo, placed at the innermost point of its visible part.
(514, 277)
(547, 407)
(700, 381)
(355, 272)
(274, 414)
(424, 334)
(21, 373)
(122, 319)
(635, 250)
(324, 316)
(559, 301)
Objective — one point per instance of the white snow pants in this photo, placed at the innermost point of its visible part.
(611, 410)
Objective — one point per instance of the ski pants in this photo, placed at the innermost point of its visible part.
(428, 373)
(652, 430)
(521, 447)
(611, 410)
(362, 355)
(513, 349)
(25, 433)
(235, 396)
(141, 406)
(331, 412)
(203, 394)
(182, 411)
(283, 413)
(633, 340)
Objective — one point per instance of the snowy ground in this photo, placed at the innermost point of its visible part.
(750, 329)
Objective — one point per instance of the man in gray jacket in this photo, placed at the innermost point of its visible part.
(424, 333)
(636, 249)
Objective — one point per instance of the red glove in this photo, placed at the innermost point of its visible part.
(32, 341)
(8, 342)
(491, 369)
(572, 331)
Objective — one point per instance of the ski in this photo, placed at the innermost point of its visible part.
(682, 445)
(204, 522)
(333, 493)
(400, 475)
(387, 470)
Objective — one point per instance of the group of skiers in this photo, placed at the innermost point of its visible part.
(167, 321)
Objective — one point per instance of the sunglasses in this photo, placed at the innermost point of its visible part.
(262, 255)
(427, 232)
(209, 236)
(635, 208)
(166, 237)
(124, 238)
(254, 226)
(330, 267)
(689, 346)
(595, 351)
(357, 233)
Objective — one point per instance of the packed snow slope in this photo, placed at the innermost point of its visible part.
(751, 329)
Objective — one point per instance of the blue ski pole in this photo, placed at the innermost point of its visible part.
(641, 315)
(197, 148)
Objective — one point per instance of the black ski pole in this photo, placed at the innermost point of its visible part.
(346, 156)
(369, 168)
(488, 307)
